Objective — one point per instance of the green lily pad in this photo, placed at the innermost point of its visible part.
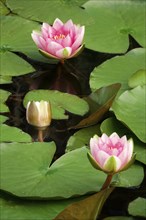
(70, 175)
(137, 79)
(99, 102)
(130, 108)
(12, 134)
(20, 41)
(5, 79)
(118, 69)
(137, 207)
(3, 9)
(71, 10)
(15, 208)
(3, 97)
(111, 125)
(112, 22)
(59, 102)
(82, 137)
(10, 67)
(3, 119)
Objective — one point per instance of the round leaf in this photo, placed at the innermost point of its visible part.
(137, 79)
(10, 67)
(112, 21)
(12, 134)
(118, 69)
(3, 97)
(137, 207)
(59, 102)
(130, 108)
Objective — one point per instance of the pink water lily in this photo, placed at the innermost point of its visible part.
(59, 41)
(111, 154)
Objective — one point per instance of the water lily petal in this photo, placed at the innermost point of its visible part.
(66, 42)
(101, 157)
(36, 38)
(112, 164)
(57, 24)
(52, 47)
(64, 53)
(79, 39)
(68, 26)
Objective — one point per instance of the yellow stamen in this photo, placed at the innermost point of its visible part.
(61, 36)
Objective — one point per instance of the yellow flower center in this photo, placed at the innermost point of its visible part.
(61, 36)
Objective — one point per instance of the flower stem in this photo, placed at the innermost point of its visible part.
(107, 181)
(40, 136)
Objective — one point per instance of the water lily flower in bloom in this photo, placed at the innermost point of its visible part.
(39, 114)
(111, 154)
(60, 41)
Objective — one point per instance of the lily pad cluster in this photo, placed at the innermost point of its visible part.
(31, 176)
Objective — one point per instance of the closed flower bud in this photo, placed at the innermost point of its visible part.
(39, 114)
(111, 154)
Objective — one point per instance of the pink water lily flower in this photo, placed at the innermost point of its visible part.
(61, 40)
(111, 154)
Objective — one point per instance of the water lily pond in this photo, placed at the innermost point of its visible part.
(73, 109)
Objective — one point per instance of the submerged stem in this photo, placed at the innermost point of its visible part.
(107, 181)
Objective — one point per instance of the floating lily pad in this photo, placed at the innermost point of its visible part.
(99, 102)
(59, 102)
(20, 41)
(111, 125)
(137, 207)
(5, 79)
(112, 22)
(70, 9)
(13, 65)
(15, 208)
(118, 69)
(3, 97)
(137, 79)
(12, 134)
(82, 137)
(70, 175)
(3, 9)
(130, 108)
(3, 119)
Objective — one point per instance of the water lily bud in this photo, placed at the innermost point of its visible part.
(39, 114)
(60, 41)
(111, 154)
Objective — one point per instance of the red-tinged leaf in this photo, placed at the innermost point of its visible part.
(99, 103)
(86, 209)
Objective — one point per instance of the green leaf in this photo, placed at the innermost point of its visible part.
(13, 65)
(111, 125)
(5, 79)
(3, 97)
(137, 79)
(59, 102)
(12, 134)
(16, 208)
(82, 137)
(137, 207)
(3, 119)
(3, 9)
(20, 40)
(86, 209)
(130, 108)
(118, 69)
(29, 173)
(134, 174)
(70, 9)
(99, 102)
(112, 22)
